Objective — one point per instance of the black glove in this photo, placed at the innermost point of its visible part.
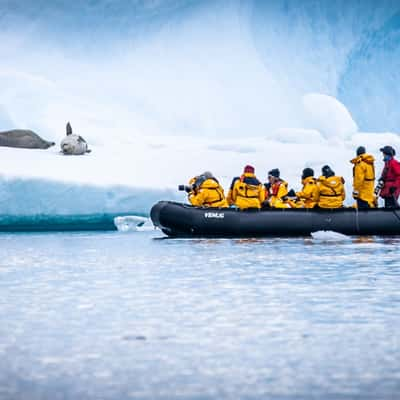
(355, 194)
(392, 190)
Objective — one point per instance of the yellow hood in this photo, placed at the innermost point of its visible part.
(308, 180)
(368, 158)
(210, 184)
(333, 182)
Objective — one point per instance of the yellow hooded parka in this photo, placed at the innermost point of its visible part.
(209, 194)
(246, 192)
(364, 178)
(331, 192)
(309, 195)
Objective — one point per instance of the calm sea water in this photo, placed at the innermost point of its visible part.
(135, 316)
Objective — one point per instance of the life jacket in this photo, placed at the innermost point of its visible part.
(391, 179)
(278, 191)
(249, 187)
(331, 192)
(246, 192)
(274, 189)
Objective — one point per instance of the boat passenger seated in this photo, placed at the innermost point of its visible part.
(277, 190)
(205, 191)
(309, 194)
(246, 191)
(331, 189)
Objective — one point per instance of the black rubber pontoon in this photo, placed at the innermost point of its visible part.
(182, 220)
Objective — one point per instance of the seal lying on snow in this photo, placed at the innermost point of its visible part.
(73, 144)
(24, 139)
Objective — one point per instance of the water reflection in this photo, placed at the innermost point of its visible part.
(100, 316)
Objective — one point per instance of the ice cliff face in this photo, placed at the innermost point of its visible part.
(370, 82)
(226, 67)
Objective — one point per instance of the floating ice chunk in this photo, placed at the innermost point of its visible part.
(329, 116)
(133, 223)
(329, 236)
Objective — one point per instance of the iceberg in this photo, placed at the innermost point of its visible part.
(188, 86)
(220, 68)
(329, 116)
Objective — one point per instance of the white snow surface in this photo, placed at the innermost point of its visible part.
(329, 116)
(129, 176)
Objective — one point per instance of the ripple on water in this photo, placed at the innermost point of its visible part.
(118, 316)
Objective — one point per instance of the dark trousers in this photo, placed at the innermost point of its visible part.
(362, 204)
(391, 202)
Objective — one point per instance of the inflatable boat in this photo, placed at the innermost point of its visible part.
(182, 220)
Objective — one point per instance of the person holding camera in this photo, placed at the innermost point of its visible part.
(205, 191)
(246, 191)
(363, 179)
(388, 187)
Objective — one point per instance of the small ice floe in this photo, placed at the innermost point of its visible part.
(329, 236)
(133, 223)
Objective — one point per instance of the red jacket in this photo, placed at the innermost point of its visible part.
(391, 178)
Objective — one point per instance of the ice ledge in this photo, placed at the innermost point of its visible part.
(28, 197)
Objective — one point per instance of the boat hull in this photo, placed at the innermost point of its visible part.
(182, 220)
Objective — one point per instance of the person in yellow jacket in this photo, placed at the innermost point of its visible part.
(246, 191)
(331, 189)
(363, 179)
(206, 191)
(309, 195)
(277, 190)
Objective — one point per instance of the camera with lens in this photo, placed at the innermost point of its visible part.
(379, 186)
(185, 188)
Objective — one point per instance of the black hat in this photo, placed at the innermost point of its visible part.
(307, 172)
(327, 171)
(360, 150)
(388, 150)
(275, 173)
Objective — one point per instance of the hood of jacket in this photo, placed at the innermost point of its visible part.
(209, 184)
(309, 179)
(367, 158)
(250, 179)
(333, 182)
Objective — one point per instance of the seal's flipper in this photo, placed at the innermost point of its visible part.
(69, 129)
(88, 151)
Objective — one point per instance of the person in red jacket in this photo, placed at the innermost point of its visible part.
(389, 182)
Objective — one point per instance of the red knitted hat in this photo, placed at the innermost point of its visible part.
(249, 169)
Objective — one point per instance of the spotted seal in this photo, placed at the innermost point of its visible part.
(73, 144)
(24, 139)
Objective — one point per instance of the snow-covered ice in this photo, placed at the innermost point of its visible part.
(130, 176)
